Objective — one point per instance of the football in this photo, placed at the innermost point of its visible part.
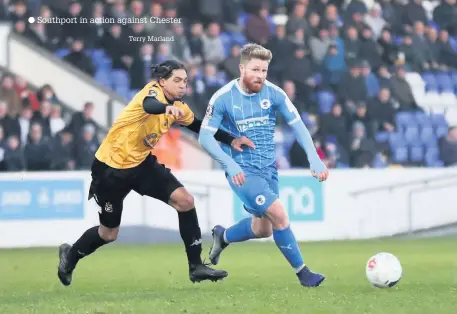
(383, 270)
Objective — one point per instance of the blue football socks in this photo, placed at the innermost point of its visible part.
(239, 232)
(285, 240)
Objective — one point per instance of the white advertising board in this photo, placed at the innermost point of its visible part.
(45, 209)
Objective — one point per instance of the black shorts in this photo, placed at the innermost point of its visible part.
(110, 186)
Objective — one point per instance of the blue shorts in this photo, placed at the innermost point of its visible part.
(259, 191)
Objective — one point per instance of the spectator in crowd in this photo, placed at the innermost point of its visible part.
(38, 150)
(56, 123)
(140, 71)
(9, 95)
(7, 121)
(369, 49)
(401, 90)
(80, 119)
(320, 46)
(389, 51)
(231, 64)
(447, 53)
(114, 44)
(300, 72)
(213, 50)
(196, 43)
(371, 81)
(333, 66)
(28, 97)
(448, 148)
(335, 124)
(352, 44)
(364, 117)
(445, 15)
(179, 46)
(257, 27)
(213, 80)
(42, 117)
(14, 155)
(86, 146)
(352, 89)
(279, 45)
(63, 157)
(25, 120)
(297, 19)
(363, 148)
(375, 21)
(78, 58)
(414, 12)
(46, 93)
(383, 111)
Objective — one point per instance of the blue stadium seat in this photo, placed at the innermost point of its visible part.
(412, 135)
(427, 135)
(226, 39)
(242, 18)
(441, 131)
(454, 79)
(405, 119)
(120, 78)
(400, 154)
(432, 154)
(430, 82)
(60, 53)
(132, 93)
(103, 78)
(438, 120)
(325, 100)
(123, 91)
(396, 139)
(416, 153)
(444, 82)
(453, 43)
(382, 137)
(239, 38)
(422, 119)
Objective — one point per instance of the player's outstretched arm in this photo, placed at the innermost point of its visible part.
(209, 127)
(220, 135)
(292, 117)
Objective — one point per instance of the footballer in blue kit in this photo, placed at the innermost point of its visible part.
(247, 107)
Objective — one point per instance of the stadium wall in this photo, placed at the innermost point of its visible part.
(45, 209)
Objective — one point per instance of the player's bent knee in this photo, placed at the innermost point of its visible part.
(182, 200)
(262, 228)
(277, 215)
(108, 234)
(264, 232)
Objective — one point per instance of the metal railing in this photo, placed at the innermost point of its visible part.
(426, 186)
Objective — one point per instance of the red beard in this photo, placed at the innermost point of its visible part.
(253, 87)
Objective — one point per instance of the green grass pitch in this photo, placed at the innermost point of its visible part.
(154, 279)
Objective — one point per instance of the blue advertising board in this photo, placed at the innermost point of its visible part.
(41, 199)
(302, 196)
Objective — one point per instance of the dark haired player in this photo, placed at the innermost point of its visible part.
(124, 163)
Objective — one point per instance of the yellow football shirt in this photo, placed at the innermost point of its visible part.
(135, 132)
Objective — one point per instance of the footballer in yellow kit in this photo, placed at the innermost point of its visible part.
(124, 163)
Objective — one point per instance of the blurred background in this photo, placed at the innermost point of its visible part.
(374, 81)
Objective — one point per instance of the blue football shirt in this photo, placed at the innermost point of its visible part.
(252, 115)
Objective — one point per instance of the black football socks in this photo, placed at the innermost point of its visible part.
(191, 235)
(86, 245)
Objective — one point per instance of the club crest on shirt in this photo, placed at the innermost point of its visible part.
(152, 93)
(265, 104)
(209, 110)
(150, 140)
